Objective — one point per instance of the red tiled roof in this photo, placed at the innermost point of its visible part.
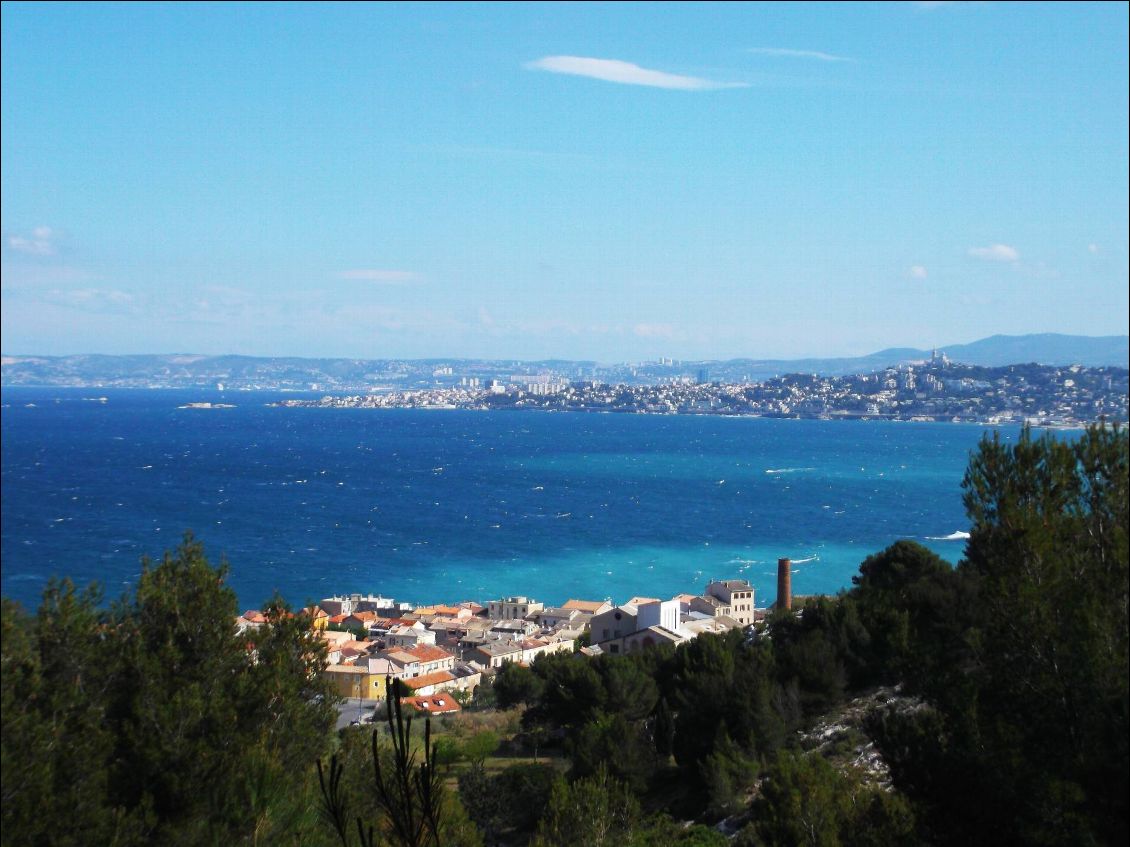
(583, 605)
(428, 679)
(435, 704)
(426, 653)
(388, 623)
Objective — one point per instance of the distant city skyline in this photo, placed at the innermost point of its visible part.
(608, 182)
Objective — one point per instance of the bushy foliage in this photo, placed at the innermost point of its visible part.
(598, 810)
(1026, 733)
(509, 803)
(917, 611)
(399, 796)
(515, 685)
(153, 720)
(803, 800)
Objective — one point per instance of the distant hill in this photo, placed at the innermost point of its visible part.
(1046, 348)
(995, 351)
(329, 375)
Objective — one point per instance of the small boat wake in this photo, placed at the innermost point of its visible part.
(953, 536)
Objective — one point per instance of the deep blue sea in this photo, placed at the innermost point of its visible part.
(440, 506)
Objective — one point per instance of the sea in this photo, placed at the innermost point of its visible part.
(431, 506)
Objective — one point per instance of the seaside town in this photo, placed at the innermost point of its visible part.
(936, 389)
(441, 653)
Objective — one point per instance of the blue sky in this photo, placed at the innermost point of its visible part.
(611, 182)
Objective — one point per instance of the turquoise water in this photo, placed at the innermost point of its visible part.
(432, 506)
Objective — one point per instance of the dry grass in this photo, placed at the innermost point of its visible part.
(504, 724)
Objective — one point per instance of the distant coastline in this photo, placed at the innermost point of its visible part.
(937, 391)
(336, 375)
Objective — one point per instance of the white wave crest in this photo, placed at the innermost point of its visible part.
(788, 470)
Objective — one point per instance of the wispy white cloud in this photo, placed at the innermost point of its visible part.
(626, 73)
(785, 53)
(918, 272)
(1092, 248)
(39, 243)
(995, 253)
(386, 277)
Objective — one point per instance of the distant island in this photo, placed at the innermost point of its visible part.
(244, 373)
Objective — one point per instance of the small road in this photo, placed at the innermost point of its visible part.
(354, 709)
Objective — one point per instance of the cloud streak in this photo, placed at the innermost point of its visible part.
(39, 243)
(625, 73)
(785, 53)
(995, 253)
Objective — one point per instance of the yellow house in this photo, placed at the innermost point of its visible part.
(319, 618)
(354, 681)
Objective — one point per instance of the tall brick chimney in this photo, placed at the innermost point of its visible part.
(784, 584)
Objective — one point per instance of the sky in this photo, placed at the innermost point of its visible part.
(616, 182)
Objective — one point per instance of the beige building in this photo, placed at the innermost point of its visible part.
(494, 654)
(417, 661)
(591, 607)
(613, 624)
(497, 653)
(708, 605)
(738, 595)
(511, 608)
(414, 635)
